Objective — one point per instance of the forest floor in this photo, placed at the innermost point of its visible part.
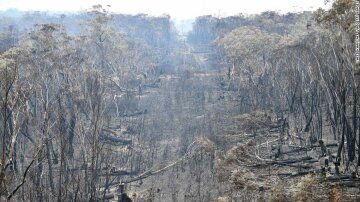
(195, 143)
(237, 157)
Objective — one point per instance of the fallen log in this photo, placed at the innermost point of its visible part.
(276, 174)
(311, 161)
(296, 166)
(306, 158)
(303, 173)
(113, 138)
(110, 139)
(137, 113)
(355, 184)
(298, 149)
(301, 149)
(107, 196)
(342, 177)
(282, 150)
(327, 145)
(285, 162)
(117, 173)
(293, 174)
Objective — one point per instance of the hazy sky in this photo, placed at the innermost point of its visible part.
(180, 9)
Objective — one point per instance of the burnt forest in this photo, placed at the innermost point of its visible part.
(103, 106)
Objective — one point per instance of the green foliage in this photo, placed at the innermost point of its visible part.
(245, 42)
(341, 13)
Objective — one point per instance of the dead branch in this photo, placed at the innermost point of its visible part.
(24, 176)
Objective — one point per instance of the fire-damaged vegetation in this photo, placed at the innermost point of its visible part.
(100, 106)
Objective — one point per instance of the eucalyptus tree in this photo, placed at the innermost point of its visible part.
(11, 99)
(340, 22)
(319, 57)
(248, 50)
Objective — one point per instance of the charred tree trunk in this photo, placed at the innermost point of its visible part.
(71, 135)
(45, 134)
(63, 147)
(50, 165)
(71, 129)
(38, 180)
(343, 122)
